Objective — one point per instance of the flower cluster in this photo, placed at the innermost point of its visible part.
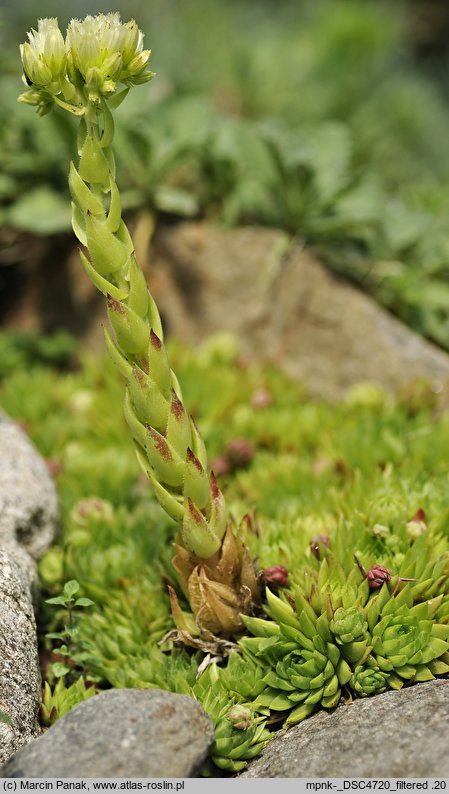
(84, 68)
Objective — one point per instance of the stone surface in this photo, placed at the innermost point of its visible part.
(121, 733)
(28, 502)
(28, 522)
(20, 678)
(256, 282)
(396, 734)
(285, 307)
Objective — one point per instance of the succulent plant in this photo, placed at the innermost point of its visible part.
(62, 699)
(374, 639)
(407, 644)
(306, 667)
(348, 625)
(240, 733)
(368, 679)
(82, 74)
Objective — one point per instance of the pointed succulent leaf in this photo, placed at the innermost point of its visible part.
(138, 430)
(198, 447)
(81, 194)
(261, 628)
(168, 501)
(164, 459)
(423, 673)
(218, 514)
(130, 330)
(280, 611)
(94, 167)
(79, 224)
(108, 254)
(354, 652)
(197, 534)
(196, 482)
(158, 365)
(300, 713)
(107, 135)
(138, 290)
(101, 283)
(115, 208)
(149, 404)
(178, 426)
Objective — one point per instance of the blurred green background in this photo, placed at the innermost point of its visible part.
(327, 118)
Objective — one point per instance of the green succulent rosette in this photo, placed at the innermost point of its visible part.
(348, 625)
(305, 667)
(62, 699)
(368, 679)
(309, 654)
(408, 645)
(242, 677)
(240, 733)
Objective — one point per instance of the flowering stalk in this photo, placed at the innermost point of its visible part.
(81, 74)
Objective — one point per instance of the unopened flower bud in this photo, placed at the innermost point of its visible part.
(277, 575)
(377, 576)
(239, 452)
(261, 398)
(317, 543)
(54, 466)
(240, 717)
(417, 525)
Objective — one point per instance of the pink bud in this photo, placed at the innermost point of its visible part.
(240, 717)
(239, 452)
(377, 576)
(276, 575)
(261, 398)
(54, 466)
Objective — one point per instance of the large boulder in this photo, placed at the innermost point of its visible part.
(143, 733)
(270, 290)
(396, 734)
(286, 307)
(28, 523)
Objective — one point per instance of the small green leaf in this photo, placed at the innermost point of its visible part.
(70, 588)
(61, 600)
(59, 669)
(84, 602)
(4, 717)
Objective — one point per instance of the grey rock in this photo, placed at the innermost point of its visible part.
(20, 678)
(286, 307)
(395, 734)
(28, 522)
(121, 733)
(28, 501)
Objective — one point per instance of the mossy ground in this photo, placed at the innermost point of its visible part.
(360, 469)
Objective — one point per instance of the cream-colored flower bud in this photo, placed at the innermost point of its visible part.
(104, 43)
(44, 55)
